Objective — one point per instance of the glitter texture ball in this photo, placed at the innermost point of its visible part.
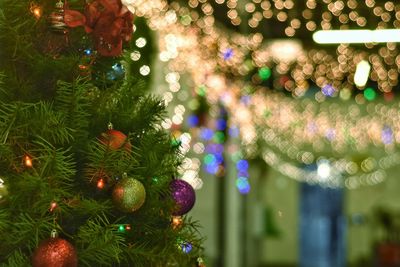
(184, 196)
(55, 252)
(129, 195)
(3, 191)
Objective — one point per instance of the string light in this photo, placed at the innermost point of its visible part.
(319, 125)
(176, 222)
(100, 183)
(362, 73)
(36, 10)
(53, 206)
(28, 161)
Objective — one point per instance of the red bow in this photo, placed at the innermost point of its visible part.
(108, 21)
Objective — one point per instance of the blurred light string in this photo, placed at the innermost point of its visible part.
(288, 126)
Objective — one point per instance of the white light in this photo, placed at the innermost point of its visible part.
(324, 170)
(135, 55)
(286, 50)
(144, 70)
(357, 36)
(362, 73)
(140, 42)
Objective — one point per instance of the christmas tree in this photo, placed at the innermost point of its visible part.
(87, 175)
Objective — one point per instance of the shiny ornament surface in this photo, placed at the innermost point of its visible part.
(115, 140)
(55, 252)
(3, 191)
(129, 195)
(183, 195)
(56, 19)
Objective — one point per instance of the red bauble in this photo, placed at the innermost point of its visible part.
(115, 140)
(55, 252)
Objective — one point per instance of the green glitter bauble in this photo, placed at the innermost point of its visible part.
(129, 195)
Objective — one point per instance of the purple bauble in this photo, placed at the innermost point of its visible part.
(184, 196)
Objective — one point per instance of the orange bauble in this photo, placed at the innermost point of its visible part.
(115, 140)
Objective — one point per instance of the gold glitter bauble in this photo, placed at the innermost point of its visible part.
(3, 190)
(129, 195)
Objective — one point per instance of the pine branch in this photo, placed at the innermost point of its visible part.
(24, 121)
(107, 163)
(16, 259)
(99, 243)
(26, 232)
(73, 100)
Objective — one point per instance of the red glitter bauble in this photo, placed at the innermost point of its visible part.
(55, 252)
(115, 140)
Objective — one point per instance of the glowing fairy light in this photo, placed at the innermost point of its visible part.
(28, 161)
(362, 73)
(324, 169)
(100, 183)
(36, 10)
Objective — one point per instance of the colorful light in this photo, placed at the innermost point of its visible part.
(272, 119)
(186, 247)
(243, 185)
(206, 133)
(193, 120)
(228, 54)
(369, 94)
(328, 90)
(264, 73)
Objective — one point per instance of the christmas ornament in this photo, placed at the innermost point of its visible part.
(183, 195)
(54, 252)
(129, 194)
(117, 72)
(56, 19)
(115, 139)
(3, 191)
(53, 40)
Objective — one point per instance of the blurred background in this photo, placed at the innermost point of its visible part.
(288, 122)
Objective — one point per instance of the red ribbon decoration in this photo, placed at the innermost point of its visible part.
(109, 22)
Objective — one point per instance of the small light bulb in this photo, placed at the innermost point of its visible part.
(100, 183)
(36, 10)
(53, 205)
(362, 73)
(176, 221)
(28, 161)
(324, 170)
